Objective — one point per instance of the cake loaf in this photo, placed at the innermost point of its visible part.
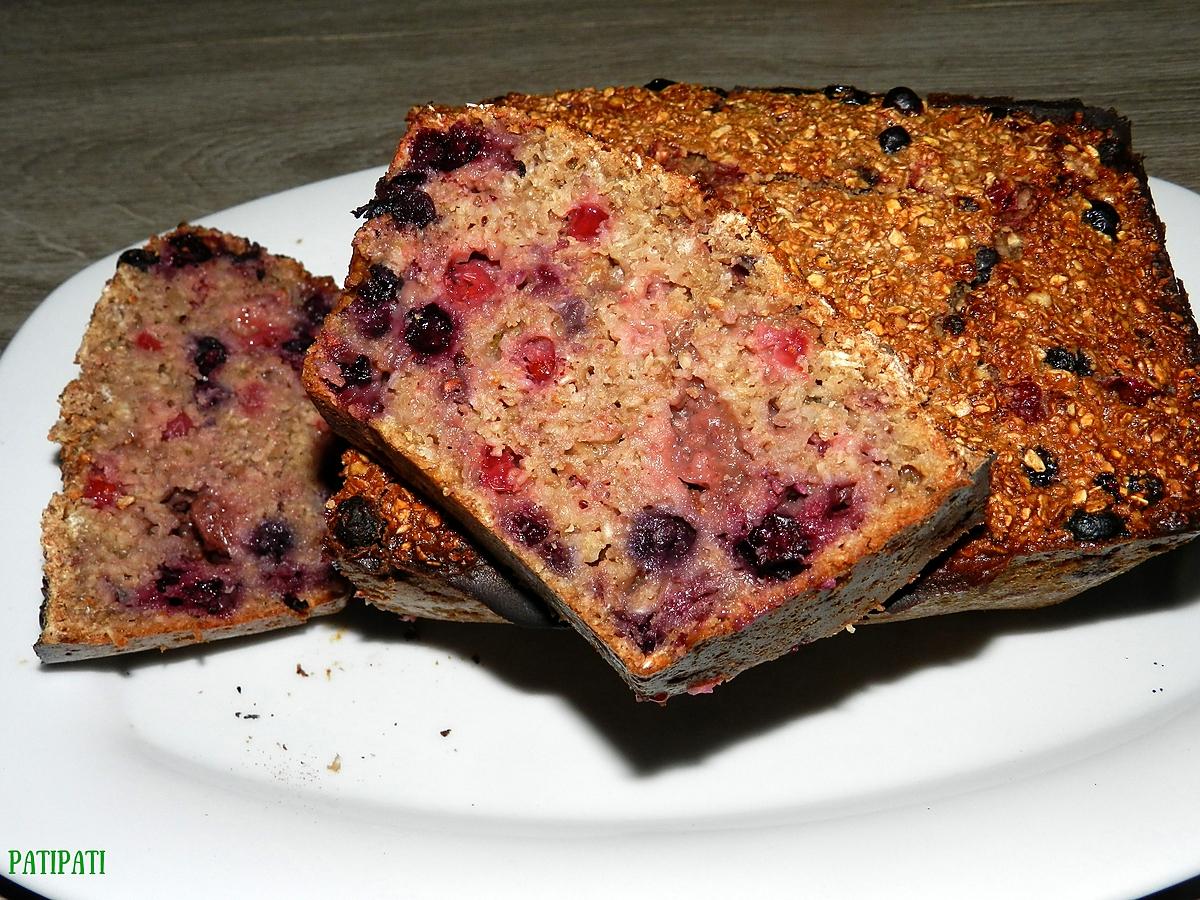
(192, 461)
(1010, 253)
(623, 396)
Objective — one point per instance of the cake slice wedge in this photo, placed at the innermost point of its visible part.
(619, 393)
(192, 461)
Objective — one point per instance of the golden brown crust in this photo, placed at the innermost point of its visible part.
(890, 239)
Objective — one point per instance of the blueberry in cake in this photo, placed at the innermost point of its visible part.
(621, 395)
(1010, 253)
(192, 461)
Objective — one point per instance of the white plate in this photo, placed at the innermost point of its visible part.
(1002, 755)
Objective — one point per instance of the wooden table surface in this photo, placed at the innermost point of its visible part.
(122, 119)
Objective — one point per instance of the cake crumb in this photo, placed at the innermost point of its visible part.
(445, 732)
(336, 765)
(300, 671)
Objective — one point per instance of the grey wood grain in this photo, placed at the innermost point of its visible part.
(121, 119)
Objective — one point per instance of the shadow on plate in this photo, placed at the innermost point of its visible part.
(690, 729)
(817, 677)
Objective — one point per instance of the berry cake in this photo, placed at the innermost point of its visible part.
(192, 461)
(622, 396)
(1010, 253)
(402, 556)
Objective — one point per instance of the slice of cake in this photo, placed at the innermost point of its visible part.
(1009, 252)
(402, 556)
(192, 501)
(622, 395)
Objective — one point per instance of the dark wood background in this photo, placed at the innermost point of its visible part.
(122, 119)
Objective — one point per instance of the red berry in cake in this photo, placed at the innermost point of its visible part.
(537, 356)
(777, 547)
(177, 427)
(210, 355)
(785, 347)
(272, 539)
(146, 341)
(428, 330)
(501, 472)
(660, 540)
(1133, 391)
(1023, 399)
(101, 490)
(584, 221)
(472, 281)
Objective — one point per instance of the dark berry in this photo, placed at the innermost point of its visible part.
(869, 176)
(316, 307)
(298, 345)
(967, 204)
(986, 259)
(998, 112)
(1149, 487)
(210, 355)
(848, 94)
(1041, 467)
(1114, 153)
(904, 100)
(954, 324)
(382, 285)
(1103, 218)
(138, 258)
(657, 84)
(356, 524)
(429, 329)
(272, 538)
(208, 394)
(357, 372)
(659, 539)
(1107, 482)
(399, 198)
(188, 249)
(529, 525)
(558, 556)
(425, 150)
(1064, 360)
(1091, 527)
(445, 151)
(894, 139)
(777, 547)
(462, 144)
(295, 604)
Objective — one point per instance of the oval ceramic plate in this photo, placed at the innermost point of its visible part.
(987, 755)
